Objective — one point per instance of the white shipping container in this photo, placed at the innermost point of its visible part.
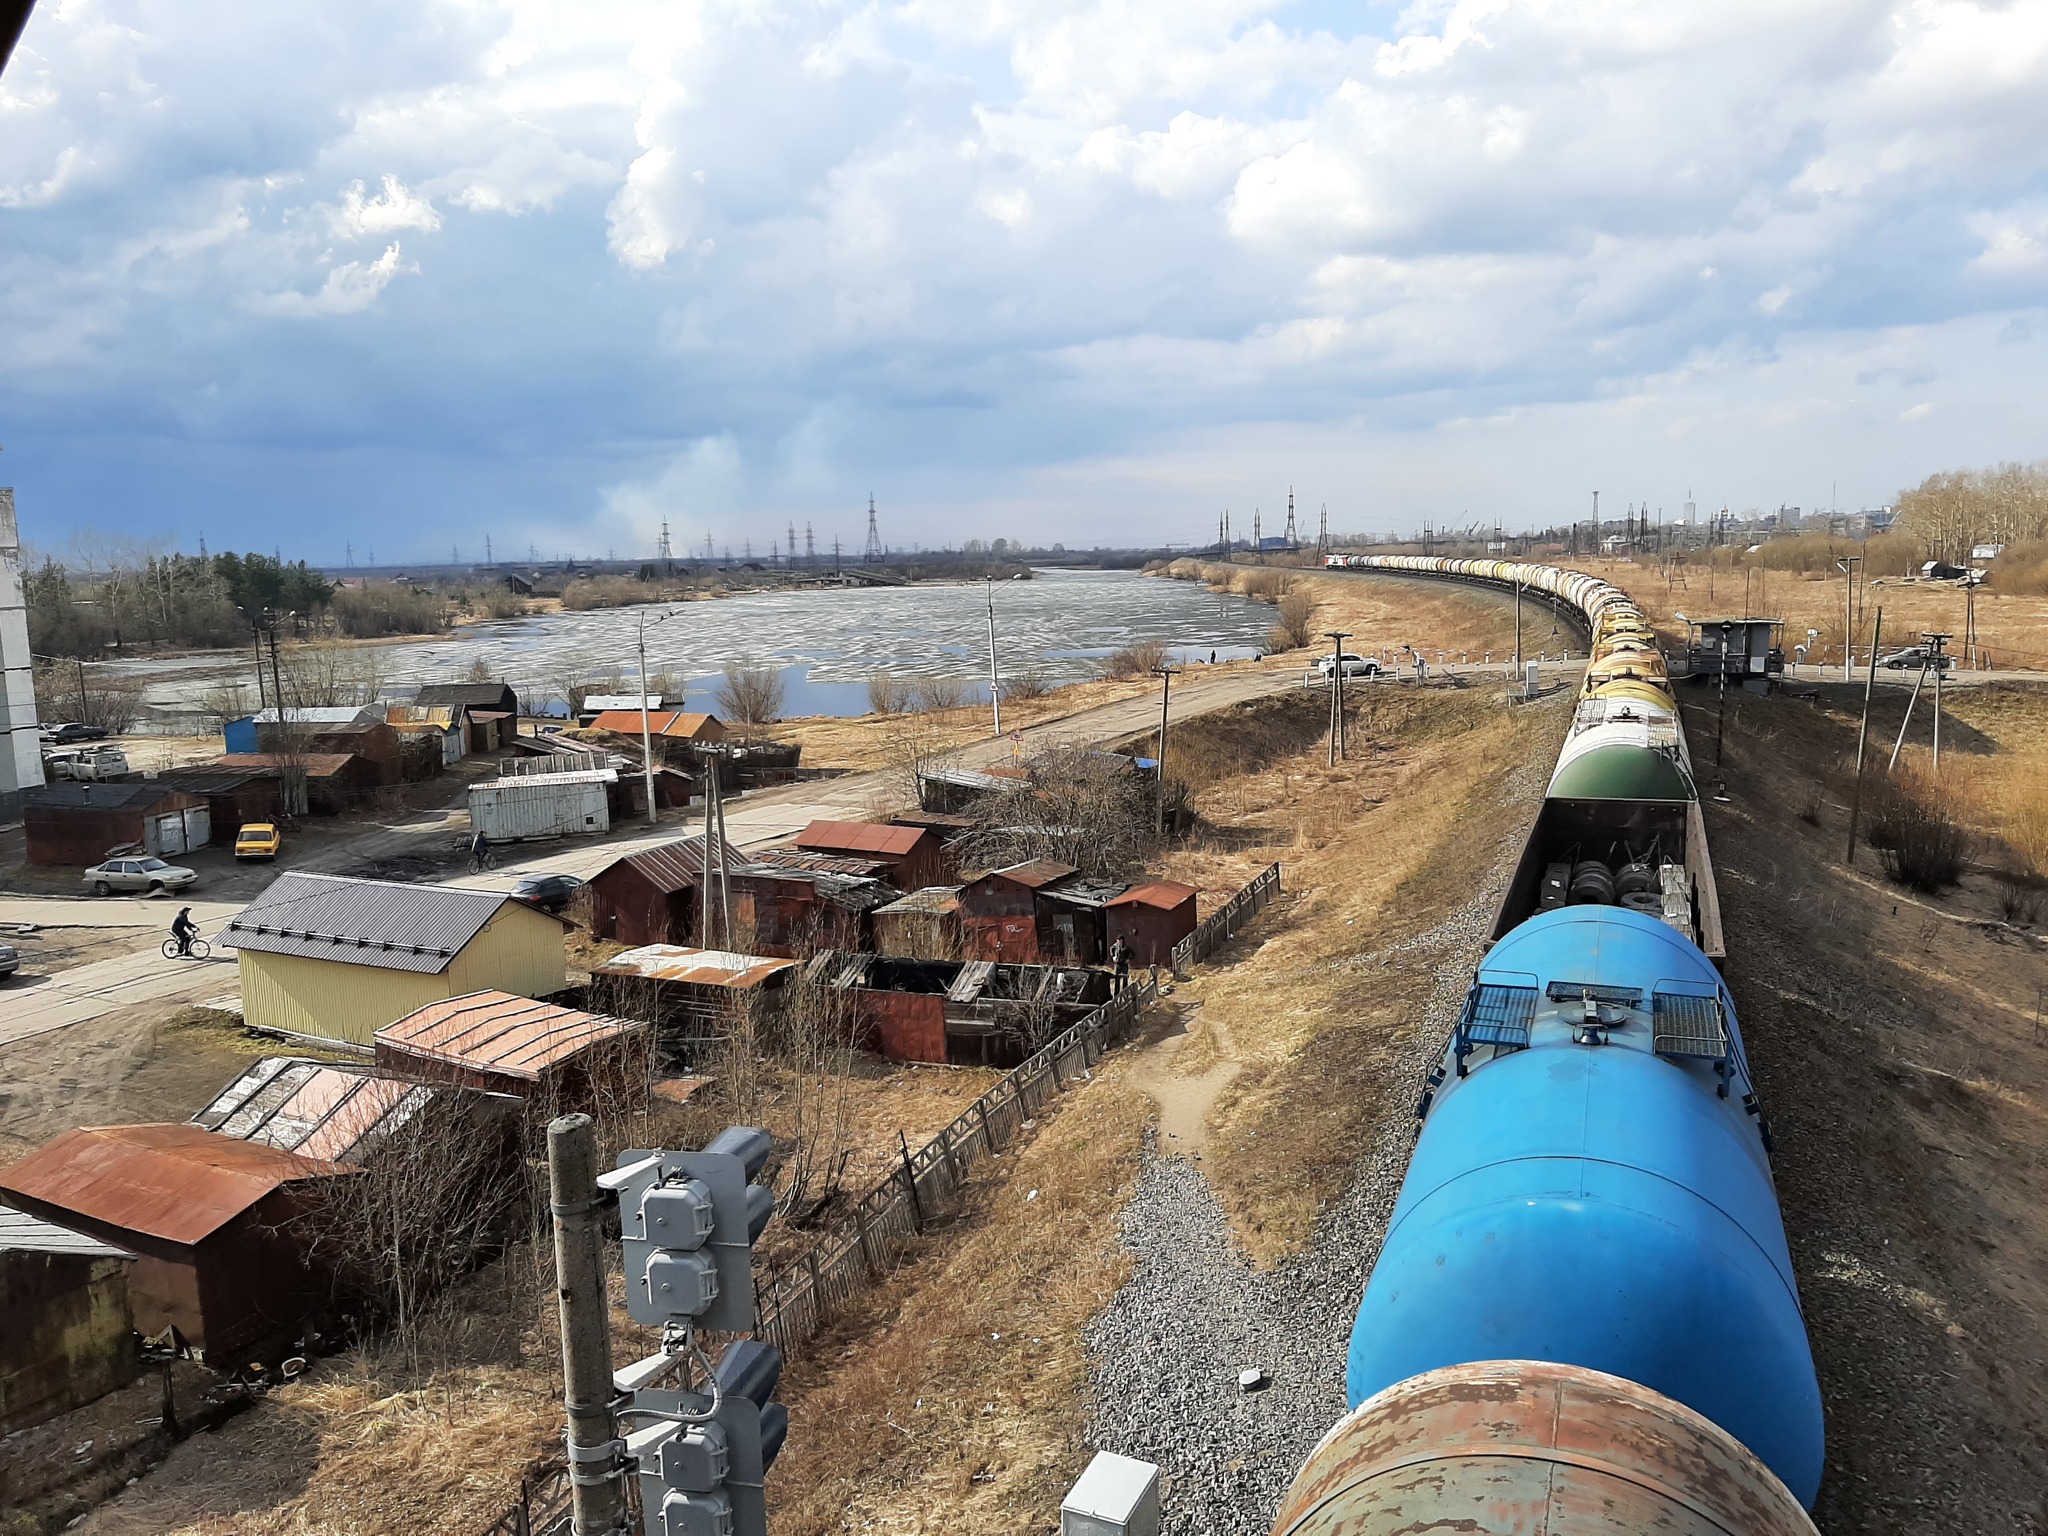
(553, 805)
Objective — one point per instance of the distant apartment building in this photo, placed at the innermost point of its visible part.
(21, 750)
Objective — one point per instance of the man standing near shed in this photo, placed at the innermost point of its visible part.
(1120, 958)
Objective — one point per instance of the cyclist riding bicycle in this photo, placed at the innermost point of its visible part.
(479, 851)
(184, 930)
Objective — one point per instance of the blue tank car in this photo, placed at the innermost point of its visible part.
(1591, 1187)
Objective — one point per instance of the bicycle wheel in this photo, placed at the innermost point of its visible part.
(200, 950)
(170, 949)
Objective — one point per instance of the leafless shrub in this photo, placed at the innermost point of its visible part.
(1087, 809)
(224, 702)
(1135, 660)
(432, 1200)
(92, 696)
(608, 592)
(2019, 899)
(370, 612)
(1291, 628)
(1923, 843)
(887, 694)
(810, 1037)
(321, 673)
(1810, 806)
(1024, 687)
(936, 694)
(750, 697)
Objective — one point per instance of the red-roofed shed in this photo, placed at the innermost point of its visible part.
(211, 1220)
(1151, 919)
(915, 856)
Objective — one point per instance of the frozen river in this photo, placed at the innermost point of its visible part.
(826, 643)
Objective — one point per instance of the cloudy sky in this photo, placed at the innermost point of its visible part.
(397, 274)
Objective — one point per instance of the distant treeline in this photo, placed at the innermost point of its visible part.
(153, 600)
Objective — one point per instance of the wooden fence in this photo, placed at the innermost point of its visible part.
(795, 1303)
(1221, 926)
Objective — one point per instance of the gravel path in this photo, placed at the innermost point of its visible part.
(1166, 1353)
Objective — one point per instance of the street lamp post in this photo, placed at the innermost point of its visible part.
(995, 681)
(1847, 566)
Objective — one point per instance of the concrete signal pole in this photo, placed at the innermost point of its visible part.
(597, 1479)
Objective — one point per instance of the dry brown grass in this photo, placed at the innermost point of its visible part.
(1374, 850)
(957, 1398)
(2012, 626)
(861, 743)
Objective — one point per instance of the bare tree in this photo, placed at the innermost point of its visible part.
(433, 1198)
(750, 697)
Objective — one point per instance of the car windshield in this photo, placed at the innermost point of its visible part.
(152, 864)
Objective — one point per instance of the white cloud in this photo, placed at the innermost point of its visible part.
(350, 287)
(393, 209)
(944, 239)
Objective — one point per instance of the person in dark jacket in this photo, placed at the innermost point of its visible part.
(1120, 958)
(183, 929)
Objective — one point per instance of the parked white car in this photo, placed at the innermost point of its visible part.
(137, 874)
(1354, 665)
(93, 764)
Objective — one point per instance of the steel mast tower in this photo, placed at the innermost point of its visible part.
(872, 555)
(1293, 541)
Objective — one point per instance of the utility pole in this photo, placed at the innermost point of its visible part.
(995, 679)
(1165, 674)
(1847, 566)
(1518, 626)
(872, 555)
(646, 726)
(1863, 735)
(1323, 532)
(1336, 637)
(1911, 699)
(597, 1488)
(810, 547)
(1293, 542)
(1937, 659)
(1721, 726)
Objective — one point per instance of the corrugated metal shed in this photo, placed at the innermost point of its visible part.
(499, 1034)
(317, 765)
(601, 703)
(860, 837)
(72, 794)
(544, 804)
(23, 1233)
(673, 866)
(337, 714)
(317, 1109)
(379, 923)
(1155, 893)
(931, 898)
(819, 863)
(674, 724)
(176, 1182)
(1035, 874)
(696, 967)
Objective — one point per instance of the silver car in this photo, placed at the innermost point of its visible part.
(10, 960)
(137, 874)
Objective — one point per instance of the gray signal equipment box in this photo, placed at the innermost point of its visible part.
(706, 1480)
(683, 1223)
(1116, 1496)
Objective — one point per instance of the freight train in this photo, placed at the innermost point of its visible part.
(1583, 1317)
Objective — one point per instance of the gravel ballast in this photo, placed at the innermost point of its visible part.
(1167, 1352)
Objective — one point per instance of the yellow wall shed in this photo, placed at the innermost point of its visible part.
(340, 959)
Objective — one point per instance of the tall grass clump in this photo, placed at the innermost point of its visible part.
(1291, 626)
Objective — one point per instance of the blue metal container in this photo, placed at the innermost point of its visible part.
(1600, 1196)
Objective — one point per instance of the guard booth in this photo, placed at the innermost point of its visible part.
(1746, 651)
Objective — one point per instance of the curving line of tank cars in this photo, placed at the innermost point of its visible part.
(1583, 1317)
